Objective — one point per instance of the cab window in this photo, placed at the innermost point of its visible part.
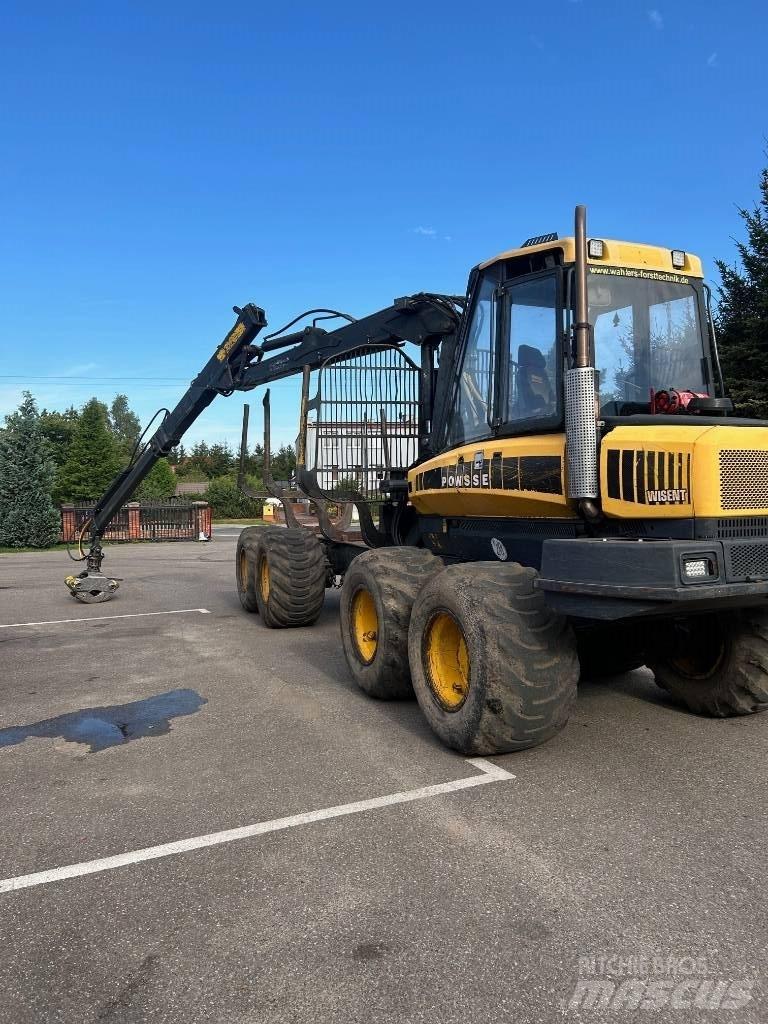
(472, 412)
(648, 335)
(531, 372)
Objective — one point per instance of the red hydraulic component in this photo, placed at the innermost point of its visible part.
(672, 400)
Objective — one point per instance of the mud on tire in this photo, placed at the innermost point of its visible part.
(379, 590)
(290, 572)
(717, 664)
(513, 683)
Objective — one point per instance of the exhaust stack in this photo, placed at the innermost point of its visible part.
(580, 390)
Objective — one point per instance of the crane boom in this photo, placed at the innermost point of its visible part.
(239, 364)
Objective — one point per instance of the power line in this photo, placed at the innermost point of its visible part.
(65, 377)
(150, 382)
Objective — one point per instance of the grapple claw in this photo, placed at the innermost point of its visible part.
(92, 588)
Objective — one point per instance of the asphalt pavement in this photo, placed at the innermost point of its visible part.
(623, 864)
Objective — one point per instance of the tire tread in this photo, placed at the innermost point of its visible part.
(523, 658)
(297, 578)
(394, 575)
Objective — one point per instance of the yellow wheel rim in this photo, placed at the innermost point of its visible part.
(264, 579)
(447, 661)
(365, 626)
(243, 570)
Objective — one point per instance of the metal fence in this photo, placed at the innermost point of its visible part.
(75, 516)
(168, 519)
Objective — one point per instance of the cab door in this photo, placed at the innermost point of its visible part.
(503, 443)
(472, 412)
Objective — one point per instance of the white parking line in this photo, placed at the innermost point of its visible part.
(94, 618)
(490, 773)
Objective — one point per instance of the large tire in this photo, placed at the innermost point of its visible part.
(493, 668)
(610, 650)
(376, 601)
(245, 566)
(717, 664)
(290, 577)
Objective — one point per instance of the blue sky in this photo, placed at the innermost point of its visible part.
(162, 162)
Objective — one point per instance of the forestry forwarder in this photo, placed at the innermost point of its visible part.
(560, 484)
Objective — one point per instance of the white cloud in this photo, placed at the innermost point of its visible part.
(429, 232)
(78, 370)
(712, 60)
(656, 19)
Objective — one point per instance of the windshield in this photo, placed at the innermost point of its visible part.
(647, 336)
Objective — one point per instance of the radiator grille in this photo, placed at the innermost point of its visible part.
(749, 560)
(741, 526)
(646, 476)
(743, 479)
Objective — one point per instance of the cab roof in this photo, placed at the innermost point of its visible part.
(615, 254)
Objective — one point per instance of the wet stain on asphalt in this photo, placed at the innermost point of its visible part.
(132, 988)
(109, 726)
(370, 951)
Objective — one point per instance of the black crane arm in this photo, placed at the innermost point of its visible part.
(213, 379)
(239, 364)
(418, 319)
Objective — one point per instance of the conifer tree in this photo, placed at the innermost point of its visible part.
(160, 482)
(27, 471)
(59, 428)
(93, 459)
(742, 318)
(124, 424)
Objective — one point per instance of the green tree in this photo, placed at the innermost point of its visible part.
(220, 460)
(124, 424)
(177, 455)
(229, 502)
(58, 429)
(160, 482)
(283, 462)
(742, 317)
(93, 458)
(189, 472)
(211, 460)
(27, 471)
(254, 463)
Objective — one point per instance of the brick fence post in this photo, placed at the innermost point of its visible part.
(134, 520)
(203, 528)
(68, 524)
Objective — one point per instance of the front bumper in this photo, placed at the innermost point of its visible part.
(606, 578)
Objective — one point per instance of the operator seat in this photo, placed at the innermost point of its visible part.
(533, 383)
